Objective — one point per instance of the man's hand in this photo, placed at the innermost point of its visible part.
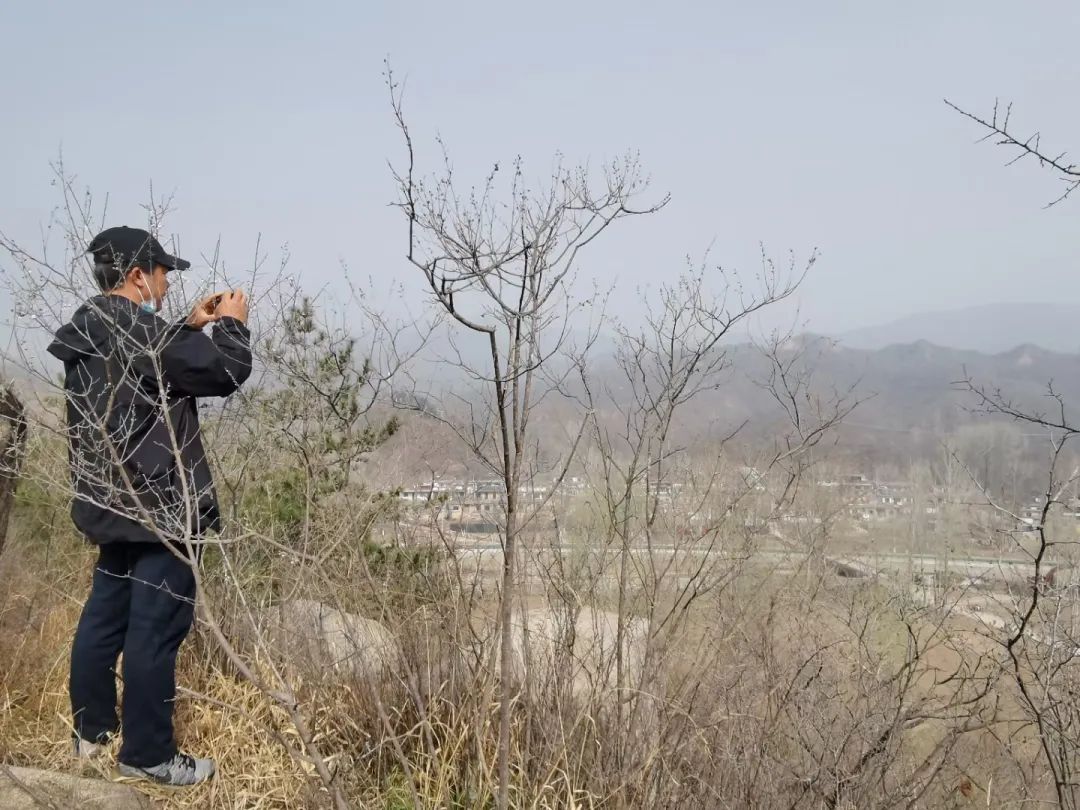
(233, 304)
(205, 311)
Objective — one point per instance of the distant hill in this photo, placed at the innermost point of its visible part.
(911, 407)
(913, 385)
(907, 387)
(990, 329)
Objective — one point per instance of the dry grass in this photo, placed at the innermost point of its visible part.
(221, 715)
(766, 630)
(38, 624)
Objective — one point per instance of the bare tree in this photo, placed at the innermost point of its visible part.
(1043, 636)
(501, 269)
(1041, 640)
(999, 129)
(680, 517)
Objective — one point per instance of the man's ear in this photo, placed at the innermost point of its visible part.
(137, 276)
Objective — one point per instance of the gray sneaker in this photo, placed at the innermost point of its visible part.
(86, 751)
(180, 771)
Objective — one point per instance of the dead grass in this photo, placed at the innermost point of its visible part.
(222, 716)
(37, 621)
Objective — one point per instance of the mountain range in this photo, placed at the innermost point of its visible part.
(912, 407)
(904, 373)
(991, 328)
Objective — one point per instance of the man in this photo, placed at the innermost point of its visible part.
(143, 492)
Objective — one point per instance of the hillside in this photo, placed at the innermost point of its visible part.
(914, 386)
(992, 329)
(909, 403)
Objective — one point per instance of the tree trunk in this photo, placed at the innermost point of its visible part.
(506, 642)
(13, 414)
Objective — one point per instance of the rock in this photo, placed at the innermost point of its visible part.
(310, 635)
(586, 647)
(64, 791)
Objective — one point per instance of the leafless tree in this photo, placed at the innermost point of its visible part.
(1043, 635)
(1000, 130)
(1041, 640)
(681, 524)
(500, 264)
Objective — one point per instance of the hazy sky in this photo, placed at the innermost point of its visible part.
(790, 123)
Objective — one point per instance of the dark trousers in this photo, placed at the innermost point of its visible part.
(141, 604)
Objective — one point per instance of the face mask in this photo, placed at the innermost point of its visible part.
(147, 306)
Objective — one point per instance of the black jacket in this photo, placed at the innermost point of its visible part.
(138, 467)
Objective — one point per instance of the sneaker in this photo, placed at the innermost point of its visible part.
(86, 751)
(180, 771)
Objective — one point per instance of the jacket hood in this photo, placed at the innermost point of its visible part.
(86, 334)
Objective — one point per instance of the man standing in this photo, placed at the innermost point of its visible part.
(143, 492)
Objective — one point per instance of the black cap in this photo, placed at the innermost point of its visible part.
(128, 247)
